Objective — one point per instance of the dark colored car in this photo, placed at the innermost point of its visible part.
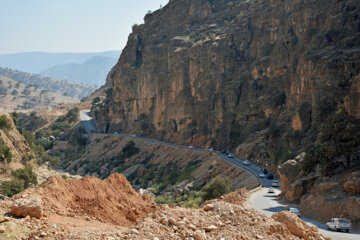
(223, 151)
(264, 170)
(270, 176)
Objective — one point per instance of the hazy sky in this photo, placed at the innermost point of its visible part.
(69, 25)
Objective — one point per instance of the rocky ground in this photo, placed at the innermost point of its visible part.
(89, 208)
(340, 192)
(103, 156)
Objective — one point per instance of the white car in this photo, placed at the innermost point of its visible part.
(246, 163)
(261, 174)
(190, 146)
(296, 211)
(134, 135)
(210, 149)
(275, 184)
(338, 224)
(230, 155)
(271, 190)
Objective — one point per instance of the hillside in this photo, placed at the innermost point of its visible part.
(12, 139)
(16, 96)
(267, 80)
(60, 209)
(64, 88)
(92, 72)
(35, 62)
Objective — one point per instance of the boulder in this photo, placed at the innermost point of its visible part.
(291, 189)
(27, 207)
(208, 207)
(296, 226)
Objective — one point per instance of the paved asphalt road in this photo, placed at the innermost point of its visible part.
(87, 121)
(268, 204)
(260, 199)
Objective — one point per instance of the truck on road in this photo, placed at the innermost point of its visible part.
(339, 224)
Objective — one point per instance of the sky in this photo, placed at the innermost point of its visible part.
(69, 25)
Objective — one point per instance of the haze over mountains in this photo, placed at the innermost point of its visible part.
(93, 71)
(87, 68)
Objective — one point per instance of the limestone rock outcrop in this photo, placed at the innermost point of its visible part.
(229, 69)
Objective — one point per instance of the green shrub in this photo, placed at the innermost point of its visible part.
(73, 115)
(273, 132)
(315, 58)
(313, 156)
(130, 149)
(26, 175)
(82, 141)
(5, 123)
(340, 135)
(280, 99)
(95, 101)
(268, 49)
(5, 152)
(29, 137)
(10, 188)
(216, 188)
(283, 154)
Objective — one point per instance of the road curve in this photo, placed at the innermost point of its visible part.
(259, 200)
(268, 204)
(87, 121)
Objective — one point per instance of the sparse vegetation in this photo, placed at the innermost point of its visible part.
(5, 123)
(5, 152)
(339, 136)
(95, 101)
(24, 178)
(283, 154)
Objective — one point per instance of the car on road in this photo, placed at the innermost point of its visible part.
(271, 190)
(246, 163)
(275, 183)
(261, 174)
(190, 146)
(270, 176)
(264, 170)
(339, 224)
(210, 149)
(296, 211)
(133, 135)
(230, 155)
(223, 151)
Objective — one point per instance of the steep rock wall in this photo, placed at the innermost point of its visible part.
(213, 72)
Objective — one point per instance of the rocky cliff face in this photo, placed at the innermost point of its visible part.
(317, 194)
(213, 72)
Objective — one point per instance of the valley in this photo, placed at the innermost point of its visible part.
(227, 119)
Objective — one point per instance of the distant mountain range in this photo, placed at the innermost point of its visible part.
(65, 88)
(88, 68)
(93, 71)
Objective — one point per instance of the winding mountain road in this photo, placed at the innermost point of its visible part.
(259, 199)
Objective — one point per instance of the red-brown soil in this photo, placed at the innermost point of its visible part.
(112, 200)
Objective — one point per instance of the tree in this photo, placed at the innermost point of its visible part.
(340, 135)
(216, 188)
(130, 149)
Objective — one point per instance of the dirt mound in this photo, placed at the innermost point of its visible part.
(112, 200)
(223, 221)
